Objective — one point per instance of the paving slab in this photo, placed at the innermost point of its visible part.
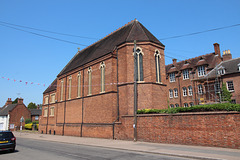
(194, 152)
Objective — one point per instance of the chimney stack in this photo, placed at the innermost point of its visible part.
(226, 55)
(9, 101)
(20, 101)
(217, 49)
(174, 61)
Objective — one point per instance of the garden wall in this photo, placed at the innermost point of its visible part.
(220, 129)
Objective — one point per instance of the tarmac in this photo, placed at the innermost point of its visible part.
(186, 151)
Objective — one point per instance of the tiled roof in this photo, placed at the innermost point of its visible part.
(4, 111)
(52, 87)
(36, 112)
(134, 30)
(210, 60)
(230, 67)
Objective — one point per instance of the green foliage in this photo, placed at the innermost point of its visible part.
(197, 108)
(35, 122)
(28, 121)
(32, 105)
(226, 95)
(15, 101)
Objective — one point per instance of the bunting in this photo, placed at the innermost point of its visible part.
(26, 83)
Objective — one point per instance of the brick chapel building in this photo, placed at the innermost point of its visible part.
(96, 87)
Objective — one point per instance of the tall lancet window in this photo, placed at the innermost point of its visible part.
(61, 95)
(89, 81)
(69, 87)
(139, 56)
(157, 64)
(79, 84)
(102, 69)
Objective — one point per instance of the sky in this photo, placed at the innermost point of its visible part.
(30, 62)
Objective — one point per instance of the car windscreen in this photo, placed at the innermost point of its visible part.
(6, 135)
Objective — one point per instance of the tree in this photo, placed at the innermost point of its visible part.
(15, 101)
(226, 95)
(32, 105)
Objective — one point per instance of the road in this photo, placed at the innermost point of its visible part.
(29, 149)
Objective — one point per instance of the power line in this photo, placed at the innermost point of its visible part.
(43, 35)
(194, 33)
(64, 34)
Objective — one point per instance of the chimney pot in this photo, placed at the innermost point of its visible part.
(9, 101)
(174, 61)
(226, 55)
(20, 101)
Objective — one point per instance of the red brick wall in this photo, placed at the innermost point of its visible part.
(16, 114)
(207, 129)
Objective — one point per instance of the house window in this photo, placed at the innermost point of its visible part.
(52, 98)
(201, 71)
(79, 84)
(233, 101)
(230, 86)
(185, 74)
(200, 89)
(69, 87)
(184, 91)
(185, 104)
(89, 81)
(171, 106)
(191, 104)
(239, 66)
(139, 61)
(170, 93)
(102, 68)
(172, 77)
(176, 105)
(46, 100)
(157, 63)
(190, 92)
(175, 92)
(36, 118)
(45, 113)
(61, 94)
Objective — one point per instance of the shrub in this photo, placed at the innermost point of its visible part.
(197, 108)
(28, 121)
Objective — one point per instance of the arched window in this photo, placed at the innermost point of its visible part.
(69, 87)
(171, 106)
(191, 104)
(175, 92)
(79, 84)
(102, 69)
(61, 94)
(89, 81)
(185, 104)
(176, 105)
(190, 91)
(157, 64)
(170, 93)
(184, 91)
(200, 89)
(139, 65)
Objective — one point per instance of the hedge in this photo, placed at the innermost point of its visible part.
(29, 126)
(197, 108)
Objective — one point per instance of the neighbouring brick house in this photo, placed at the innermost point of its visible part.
(10, 115)
(94, 90)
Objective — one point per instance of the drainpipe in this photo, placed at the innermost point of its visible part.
(117, 119)
(180, 92)
(47, 113)
(65, 105)
(82, 101)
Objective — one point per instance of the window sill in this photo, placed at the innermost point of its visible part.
(102, 92)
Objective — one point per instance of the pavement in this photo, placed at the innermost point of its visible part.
(186, 151)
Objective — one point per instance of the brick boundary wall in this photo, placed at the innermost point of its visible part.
(219, 129)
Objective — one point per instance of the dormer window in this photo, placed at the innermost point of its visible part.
(221, 71)
(185, 74)
(201, 71)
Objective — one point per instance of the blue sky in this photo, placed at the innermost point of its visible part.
(31, 58)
